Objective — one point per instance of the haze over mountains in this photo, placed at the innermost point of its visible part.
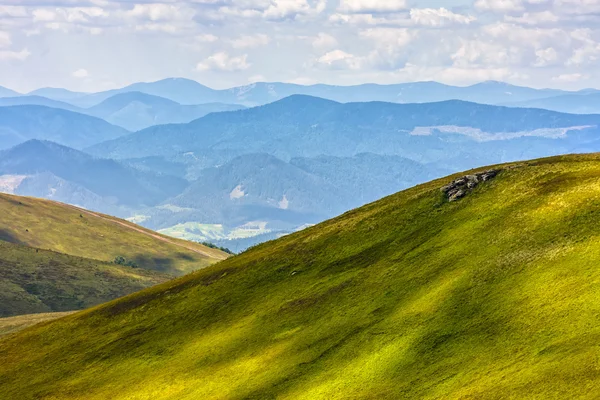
(188, 92)
(202, 170)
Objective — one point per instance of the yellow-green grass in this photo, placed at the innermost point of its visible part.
(66, 229)
(39, 281)
(10, 325)
(495, 296)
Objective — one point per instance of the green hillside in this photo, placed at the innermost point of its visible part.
(66, 229)
(40, 281)
(14, 324)
(491, 296)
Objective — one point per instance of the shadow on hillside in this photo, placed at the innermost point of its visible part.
(7, 236)
(160, 264)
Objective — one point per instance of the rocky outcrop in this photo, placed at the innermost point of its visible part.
(459, 188)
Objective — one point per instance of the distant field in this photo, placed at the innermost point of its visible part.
(10, 325)
(66, 229)
(207, 232)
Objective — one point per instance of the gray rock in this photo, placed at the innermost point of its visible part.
(460, 187)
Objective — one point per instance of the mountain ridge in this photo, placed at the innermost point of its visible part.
(186, 91)
(23, 122)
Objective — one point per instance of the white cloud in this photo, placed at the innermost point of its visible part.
(438, 17)
(250, 41)
(537, 18)
(588, 51)
(372, 6)
(224, 62)
(7, 55)
(499, 5)
(80, 73)
(324, 41)
(43, 14)
(386, 37)
(338, 59)
(13, 11)
(160, 12)
(273, 10)
(570, 78)
(337, 41)
(546, 57)
(5, 40)
(206, 38)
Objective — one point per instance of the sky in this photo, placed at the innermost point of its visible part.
(93, 45)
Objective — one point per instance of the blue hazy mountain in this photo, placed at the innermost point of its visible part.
(21, 123)
(303, 126)
(51, 166)
(6, 92)
(179, 90)
(587, 102)
(37, 101)
(261, 186)
(137, 110)
(58, 94)
(490, 92)
(189, 92)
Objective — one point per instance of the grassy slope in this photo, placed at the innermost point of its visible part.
(493, 296)
(66, 229)
(10, 325)
(34, 280)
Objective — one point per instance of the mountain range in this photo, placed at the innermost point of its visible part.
(135, 110)
(189, 92)
(21, 123)
(304, 126)
(570, 103)
(273, 169)
(64, 174)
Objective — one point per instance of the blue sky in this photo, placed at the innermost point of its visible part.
(93, 45)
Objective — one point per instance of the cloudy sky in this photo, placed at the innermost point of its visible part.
(99, 44)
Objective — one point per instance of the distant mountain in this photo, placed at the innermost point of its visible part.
(47, 185)
(38, 101)
(58, 94)
(490, 92)
(302, 126)
(258, 194)
(21, 123)
(185, 91)
(88, 178)
(574, 103)
(5, 92)
(136, 110)
(367, 177)
(179, 90)
(259, 186)
(302, 159)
